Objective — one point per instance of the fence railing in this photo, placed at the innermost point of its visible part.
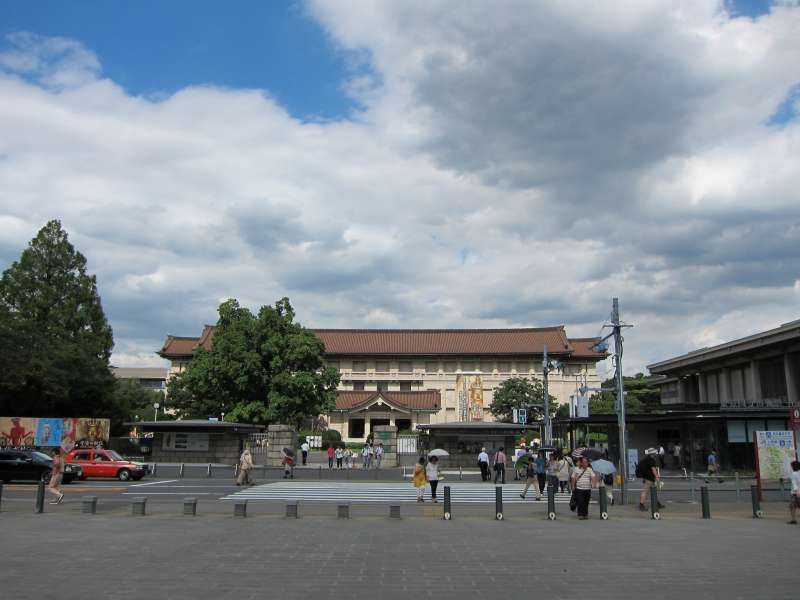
(406, 444)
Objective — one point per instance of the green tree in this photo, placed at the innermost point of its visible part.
(132, 400)
(640, 396)
(263, 368)
(55, 360)
(518, 392)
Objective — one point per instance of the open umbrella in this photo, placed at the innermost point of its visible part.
(438, 452)
(603, 467)
(288, 452)
(578, 452)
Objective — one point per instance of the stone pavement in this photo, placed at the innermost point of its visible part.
(67, 555)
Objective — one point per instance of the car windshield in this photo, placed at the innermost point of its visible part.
(114, 456)
(40, 456)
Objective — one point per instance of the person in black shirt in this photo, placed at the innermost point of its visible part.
(648, 470)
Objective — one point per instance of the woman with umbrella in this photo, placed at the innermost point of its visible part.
(432, 474)
(605, 471)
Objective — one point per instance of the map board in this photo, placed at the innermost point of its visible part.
(775, 450)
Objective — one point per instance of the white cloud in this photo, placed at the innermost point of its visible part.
(509, 167)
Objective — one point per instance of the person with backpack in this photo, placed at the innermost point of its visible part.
(647, 470)
(583, 480)
(541, 470)
(607, 484)
(530, 478)
(500, 465)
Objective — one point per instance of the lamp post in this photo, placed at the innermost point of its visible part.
(156, 406)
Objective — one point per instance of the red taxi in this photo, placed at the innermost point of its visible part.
(98, 462)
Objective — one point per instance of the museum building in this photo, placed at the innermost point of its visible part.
(410, 377)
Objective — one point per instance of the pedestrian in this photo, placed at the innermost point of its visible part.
(541, 470)
(288, 466)
(563, 473)
(676, 455)
(331, 454)
(794, 502)
(483, 464)
(583, 480)
(245, 466)
(378, 455)
(648, 471)
(304, 449)
(713, 466)
(661, 455)
(552, 471)
(530, 478)
(500, 465)
(432, 474)
(419, 479)
(519, 467)
(56, 474)
(339, 454)
(365, 452)
(348, 458)
(606, 483)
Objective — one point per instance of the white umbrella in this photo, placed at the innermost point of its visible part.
(438, 452)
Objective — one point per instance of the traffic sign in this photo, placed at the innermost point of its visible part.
(794, 418)
(523, 416)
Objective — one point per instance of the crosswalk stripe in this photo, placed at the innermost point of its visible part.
(379, 493)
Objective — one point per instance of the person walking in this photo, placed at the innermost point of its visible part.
(245, 466)
(500, 465)
(432, 474)
(365, 452)
(530, 478)
(676, 455)
(661, 455)
(419, 479)
(541, 470)
(288, 466)
(606, 485)
(348, 458)
(713, 466)
(519, 466)
(339, 455)
(794, 501)
(583, 480)
(56, 474)
(648, 471)
(552, 471)
(304, 450)
(483, 464)
(331, 454)
(563, 473)
(378, 455)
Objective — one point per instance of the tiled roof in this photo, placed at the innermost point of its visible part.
(425, 400)
(416, 342)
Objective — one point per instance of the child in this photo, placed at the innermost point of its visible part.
(419, 479)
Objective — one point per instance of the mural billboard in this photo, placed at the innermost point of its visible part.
(470, 392)
(49, 432)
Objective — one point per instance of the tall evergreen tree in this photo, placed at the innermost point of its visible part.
(57, 362)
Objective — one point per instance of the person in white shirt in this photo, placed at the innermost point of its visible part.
(339, 455)
(366, 454)
(483, 464)
(304, 449)
(432, 474)
(661, 455)
(676, 453)
(378, 455)
(794, 503)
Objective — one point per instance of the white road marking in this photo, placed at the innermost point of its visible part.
(154, 483)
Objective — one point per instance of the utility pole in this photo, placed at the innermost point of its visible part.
(623, 451)
(548, 428)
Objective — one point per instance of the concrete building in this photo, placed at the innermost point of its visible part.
(152, 378)
(407, 377)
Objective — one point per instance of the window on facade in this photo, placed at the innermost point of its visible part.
(431, 367)
(405, 386)
(358, 386)
(382, 366)
(402, 424)
(404, 366)
(383, 386)
(356, 428)
(360, 366)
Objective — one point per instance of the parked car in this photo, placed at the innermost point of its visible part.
(31, 465)
(98, 462)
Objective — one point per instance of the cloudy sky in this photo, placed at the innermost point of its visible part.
(415, 163)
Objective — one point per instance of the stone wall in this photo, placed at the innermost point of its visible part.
(278, 438)
(222, 448)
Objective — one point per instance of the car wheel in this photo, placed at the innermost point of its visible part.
(124, 475)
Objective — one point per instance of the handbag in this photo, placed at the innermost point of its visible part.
(573, 502)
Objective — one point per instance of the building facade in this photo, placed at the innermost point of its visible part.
(407, 377)
(151, 378)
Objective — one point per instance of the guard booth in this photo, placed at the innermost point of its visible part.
(195, 441)
(464, 440)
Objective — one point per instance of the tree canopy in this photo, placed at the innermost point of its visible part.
(640, 396)
(56, 340)
(518, 392)
(263, 368)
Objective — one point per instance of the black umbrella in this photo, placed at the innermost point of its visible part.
(288, 452)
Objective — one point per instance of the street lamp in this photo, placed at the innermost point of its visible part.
(156, 406)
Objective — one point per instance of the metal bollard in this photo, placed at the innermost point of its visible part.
(138, 507)
(343, 510)
(551, 503)
(180, 473)
(603, 501)
(757, 512)
(319, 473)
(498, 503)
(236, 471)
(208, 472)
(240, 509)
(654, 514)
(460, 473)
(691, 488)
(89, 505)
(394, 509)
(704, 501)
(448, 514)
(155, 468)
(40, 498)
(190, 507)
(292, 509)
(738, 488)
(1, 494)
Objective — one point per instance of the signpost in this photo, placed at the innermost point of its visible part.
(774, 452)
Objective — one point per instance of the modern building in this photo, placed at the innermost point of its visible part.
(408, 377)
(152, 378)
